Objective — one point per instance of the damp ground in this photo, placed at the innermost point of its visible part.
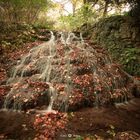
(103, 122)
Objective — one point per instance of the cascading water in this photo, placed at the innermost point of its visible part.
(29, 60)
(71, 72)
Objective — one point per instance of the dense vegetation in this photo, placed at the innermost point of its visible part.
(21, 20)
(19, 11)
(120, 35)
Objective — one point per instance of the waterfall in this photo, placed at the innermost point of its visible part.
(64, 62)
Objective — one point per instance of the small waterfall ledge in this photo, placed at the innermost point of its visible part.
(65, 74)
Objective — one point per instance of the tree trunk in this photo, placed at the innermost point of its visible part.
(105, 9)
(84, 1)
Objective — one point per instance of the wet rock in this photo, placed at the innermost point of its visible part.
(68, 76)
(136, 90)
(27, 95)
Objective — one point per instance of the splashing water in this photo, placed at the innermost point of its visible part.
(70, 67)
(53, 94)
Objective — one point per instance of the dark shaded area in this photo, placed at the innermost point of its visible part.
(91, 121)
(103, 122)
(14, 125)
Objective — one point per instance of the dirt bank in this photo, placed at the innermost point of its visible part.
(104, 122)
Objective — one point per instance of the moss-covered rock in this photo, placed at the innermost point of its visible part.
(121, 36)
(16, 35)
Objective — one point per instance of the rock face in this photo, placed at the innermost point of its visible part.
(67, 74)
(120, 35)
(27, 94)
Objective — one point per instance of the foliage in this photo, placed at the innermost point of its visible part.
(129, 59)
(114, 3)
(111, 131)
(19, 11)
(44, 22)
(83, 15)
(117, 5)
(120, 35)
(17, 35)
(91, 11)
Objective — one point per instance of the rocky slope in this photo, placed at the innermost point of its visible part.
(120, 35)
